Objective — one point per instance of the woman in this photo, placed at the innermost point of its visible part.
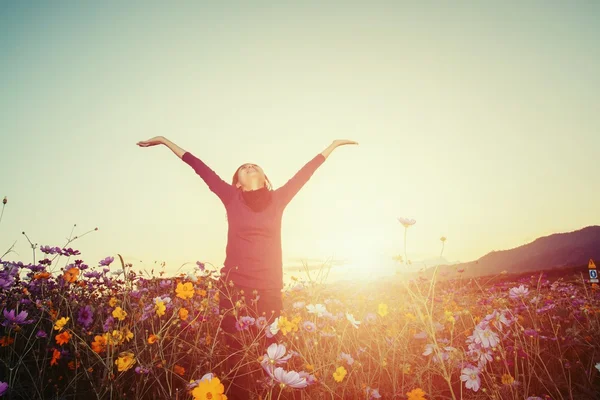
(253, 262)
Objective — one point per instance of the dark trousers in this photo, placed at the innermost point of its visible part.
(268, 305)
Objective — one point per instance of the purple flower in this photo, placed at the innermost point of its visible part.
(370, 318)
(70, 252)
(106, 262)
(546, 308)
(244, 323)
(530, 332)
(92, 274)
(165, 284)
(373, 393)
(200, 265)
(420, 335)
(3, 388)
(86, 316)
(310, 379)
(347, 357)
(6, 282)
(108, 324)
(41, 334)
(260, 323)
(309, 326)
(49, 250)
(19, 319)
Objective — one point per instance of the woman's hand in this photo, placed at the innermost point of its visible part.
(341, 142)
(334, 145)
(152, 142)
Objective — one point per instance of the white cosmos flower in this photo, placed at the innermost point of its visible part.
(274, 327)
(289, 378)
(318, 309)
(353, 321)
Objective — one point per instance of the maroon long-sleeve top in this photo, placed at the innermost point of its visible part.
(253, 254)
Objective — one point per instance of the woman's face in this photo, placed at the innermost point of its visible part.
(251, 176)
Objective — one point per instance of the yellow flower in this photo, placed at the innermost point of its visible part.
(286, 326)
(382, 309)
(410, 317)
(128, 334)
(125, 361)
(183, 314)
(340, 374)
(406, 369)
(160, 308)
(449, 317)
(209, 389)
(185, 290)
(60, 324)
(507, 379)
(113, 301)
(117, 337)
(119, 313)
(416, 394)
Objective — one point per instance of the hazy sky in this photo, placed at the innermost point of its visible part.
(480, 121)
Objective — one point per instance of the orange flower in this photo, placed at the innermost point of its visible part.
(71, 274)
(55, 357)
(72, 365)
(41, 275)
(416, 394)
(152, 339)
(179, 370)
(99, 344)
(6, 340)
(183, 314)
(63, 338)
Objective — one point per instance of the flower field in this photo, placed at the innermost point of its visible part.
(70, 330)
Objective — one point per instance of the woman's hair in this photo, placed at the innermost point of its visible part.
(234, 180)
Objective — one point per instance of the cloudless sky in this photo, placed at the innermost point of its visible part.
(478, 119)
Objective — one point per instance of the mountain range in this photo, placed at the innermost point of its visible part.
(559, 250)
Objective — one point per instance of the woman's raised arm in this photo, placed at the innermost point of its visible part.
(218, 186)
(287, 192)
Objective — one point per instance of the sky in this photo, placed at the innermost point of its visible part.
(480, 120)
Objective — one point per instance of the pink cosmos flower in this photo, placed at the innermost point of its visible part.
(518, 292)
(275, 355)
(470, 375)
